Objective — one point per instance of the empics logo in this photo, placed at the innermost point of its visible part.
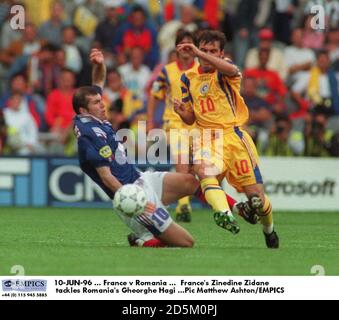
(24, 285)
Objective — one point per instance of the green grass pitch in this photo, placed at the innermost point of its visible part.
(50, 241)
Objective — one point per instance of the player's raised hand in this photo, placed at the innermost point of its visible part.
(178, 106)
(96, 56)
(189, 47)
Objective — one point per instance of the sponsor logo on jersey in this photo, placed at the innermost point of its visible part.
(105, 152)
(204, 88)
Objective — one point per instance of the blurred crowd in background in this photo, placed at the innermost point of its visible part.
(290, 69)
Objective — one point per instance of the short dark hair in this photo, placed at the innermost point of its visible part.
(322, 52)
(182, 34)
(19, 75)
(113, 70)
(80, 97)
(208, 36)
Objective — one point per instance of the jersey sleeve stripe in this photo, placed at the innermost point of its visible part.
(164, 71)
(161, 78)
(231, 93)
(185, 87)
(223, 88)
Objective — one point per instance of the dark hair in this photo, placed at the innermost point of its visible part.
(68, 70)
(19, 74)
(113, 70)
(117, 106)
(80, 97)
(139, 8)
(50, 47)
(182, 34)
(208, 36)
(282, 117)
(322, 52)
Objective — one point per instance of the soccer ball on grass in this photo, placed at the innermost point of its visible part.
(130, 199)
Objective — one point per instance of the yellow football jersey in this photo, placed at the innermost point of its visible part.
(215, 99)
(167, 86)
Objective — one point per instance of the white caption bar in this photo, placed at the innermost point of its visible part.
(169, 288)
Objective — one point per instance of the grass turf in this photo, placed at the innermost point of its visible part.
(50, 241)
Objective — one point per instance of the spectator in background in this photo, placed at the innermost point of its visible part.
(39, 11)
(116, 117)
(7, 34)
(3, 132)
(283, 17)
(59, 110)
(19, 85)
(282, 140)
(319, 86)
(251, 15)
(134, 73)
(27, 45)
(259, 110)
(73, 53)
(120, 101)
(43, 72)
(270, 87)
(297, 58)
(331, 10)
(317, 137)
(313, 39)
(168, 32)
(22, 132)
(5, 6)
(106, 36)
(138, 32)
(228, 23)
(332, 46)
(276, 58)
(51, 30)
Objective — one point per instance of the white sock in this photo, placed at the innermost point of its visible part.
(268, 229)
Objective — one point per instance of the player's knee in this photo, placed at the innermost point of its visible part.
(191, 184)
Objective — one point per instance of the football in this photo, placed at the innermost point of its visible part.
(130, 199)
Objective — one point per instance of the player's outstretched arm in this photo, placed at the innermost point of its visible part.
(108, 179)
(220, 64)
(186, 114)
(99, 69)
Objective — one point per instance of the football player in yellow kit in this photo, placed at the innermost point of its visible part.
(167, 87)
(211, 99)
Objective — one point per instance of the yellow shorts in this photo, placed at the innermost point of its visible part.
(234, 155)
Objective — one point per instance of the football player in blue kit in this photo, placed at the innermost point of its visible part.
(103, 159)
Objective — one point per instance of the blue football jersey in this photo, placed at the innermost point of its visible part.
(97, 147)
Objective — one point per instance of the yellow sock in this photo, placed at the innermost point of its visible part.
(181, 202)
(266, 217)
(214, 195)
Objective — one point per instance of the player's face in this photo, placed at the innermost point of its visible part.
(211, 48)
(96, 107)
